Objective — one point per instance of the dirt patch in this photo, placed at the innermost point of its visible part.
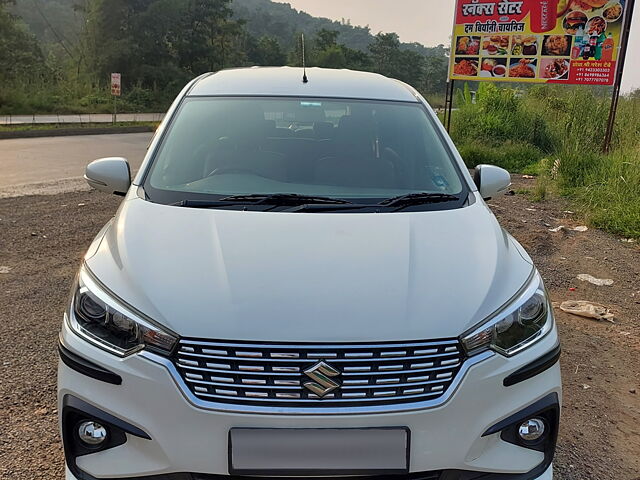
(65, 185)
(43, 238)
(599, 437)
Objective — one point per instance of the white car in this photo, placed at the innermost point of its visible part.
(304, 280)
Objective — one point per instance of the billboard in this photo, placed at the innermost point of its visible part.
(537, 41)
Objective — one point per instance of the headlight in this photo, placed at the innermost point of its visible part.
(520, 324)
(111, 325)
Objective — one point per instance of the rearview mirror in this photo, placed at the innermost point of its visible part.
(491, 180)
(110, 175)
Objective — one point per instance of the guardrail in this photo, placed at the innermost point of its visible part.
(78, 119)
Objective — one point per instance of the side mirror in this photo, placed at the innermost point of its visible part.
(491, 180)
(110, 175)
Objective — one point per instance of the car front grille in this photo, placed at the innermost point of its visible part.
(315, 375)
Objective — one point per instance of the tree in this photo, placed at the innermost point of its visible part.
(267, 52)
(390, 60)
(411, 67)
(109, 39)
(385, 53)
(20, 56)
(357, 60)
(158, 45)
(326, 39)
(328, 53)
(208, 38)
(157, 42)
(331, 57)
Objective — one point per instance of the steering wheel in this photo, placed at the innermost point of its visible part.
(223, 170)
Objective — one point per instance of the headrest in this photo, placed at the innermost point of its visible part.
(357, 134)
(323, 130)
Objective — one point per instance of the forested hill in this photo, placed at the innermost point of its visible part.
(280, 20)
(56, 21)
(283, 22)
(71, 46)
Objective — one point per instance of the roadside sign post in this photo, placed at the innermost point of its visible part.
(448, 103)
(116, 91)
(624, 44)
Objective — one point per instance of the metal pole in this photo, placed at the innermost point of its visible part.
(450, 105)
(446, 104)
(624, 44)
(115, 111)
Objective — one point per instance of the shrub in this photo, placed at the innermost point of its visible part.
(498, 116)
(609, 195)
(513, 156)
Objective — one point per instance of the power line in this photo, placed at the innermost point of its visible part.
(58, 36)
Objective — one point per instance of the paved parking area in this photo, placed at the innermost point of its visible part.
(58, 161)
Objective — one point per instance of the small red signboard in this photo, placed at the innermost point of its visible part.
(116, 84)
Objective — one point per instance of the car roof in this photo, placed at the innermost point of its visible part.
(287, 81)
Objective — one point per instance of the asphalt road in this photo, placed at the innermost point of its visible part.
(25, 163)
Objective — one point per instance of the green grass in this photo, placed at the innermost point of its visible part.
(529, 133)
(436, 100)
(513, 156)
(79, 98)
(610, 195)
(66, 126)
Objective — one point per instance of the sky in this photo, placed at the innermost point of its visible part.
(430, 22)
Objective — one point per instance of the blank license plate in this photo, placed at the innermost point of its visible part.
(313, 452)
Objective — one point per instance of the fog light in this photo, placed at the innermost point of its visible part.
(92, 433)
(531, 430)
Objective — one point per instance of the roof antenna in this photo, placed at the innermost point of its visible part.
(304, 63)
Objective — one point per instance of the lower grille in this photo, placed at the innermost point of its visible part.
(313, 375)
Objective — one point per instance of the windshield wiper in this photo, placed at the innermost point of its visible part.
(284, 199)
(326, 207)
(419, 198)
(277, 199)
(204, 204)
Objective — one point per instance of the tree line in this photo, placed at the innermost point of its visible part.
(158, 45)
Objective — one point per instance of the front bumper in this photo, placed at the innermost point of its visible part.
(547, 475)
(187, 438)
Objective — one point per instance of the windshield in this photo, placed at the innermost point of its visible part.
(359, 151)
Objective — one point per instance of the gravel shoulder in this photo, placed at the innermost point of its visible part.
(43, 238)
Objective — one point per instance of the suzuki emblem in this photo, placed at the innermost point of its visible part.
(321, 374)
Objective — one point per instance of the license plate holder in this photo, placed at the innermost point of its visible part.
(317, 452)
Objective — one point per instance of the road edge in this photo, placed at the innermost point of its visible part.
(66, 132)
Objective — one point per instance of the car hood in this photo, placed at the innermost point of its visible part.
(309, 277)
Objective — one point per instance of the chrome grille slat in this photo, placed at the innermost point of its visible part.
(249, 354)
(252, 386)
(227, 372)
(206, 350)
(311, 401)
(314, 347)
(318, 401)
(218, 366)
(344, 374)
(273, 374)
(375, 387)
(285, 355)
(257, 394)
(251, 381)
(297, 387)
(322, 356)
(306, 360)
